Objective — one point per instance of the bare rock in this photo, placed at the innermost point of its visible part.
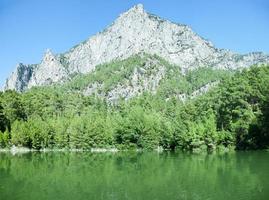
(133, 32)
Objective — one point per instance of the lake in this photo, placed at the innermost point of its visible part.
(133, 175)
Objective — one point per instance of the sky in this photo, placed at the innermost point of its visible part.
(29, 27)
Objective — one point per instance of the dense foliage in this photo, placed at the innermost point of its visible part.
(233, 114)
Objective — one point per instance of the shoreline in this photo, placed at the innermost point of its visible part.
(21, 150)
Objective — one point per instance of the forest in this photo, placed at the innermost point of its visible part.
(232, 115)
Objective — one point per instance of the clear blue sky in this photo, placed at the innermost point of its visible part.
(28, 27)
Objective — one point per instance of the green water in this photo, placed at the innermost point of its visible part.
(143, 176)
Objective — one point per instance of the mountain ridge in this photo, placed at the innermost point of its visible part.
(133, 32)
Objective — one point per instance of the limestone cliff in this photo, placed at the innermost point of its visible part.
(133, 32)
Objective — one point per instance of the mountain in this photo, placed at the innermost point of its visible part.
(133, 32)
(182, 92)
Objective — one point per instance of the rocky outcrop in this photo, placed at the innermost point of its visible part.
(145, 78)
(19, 79)
(202, 90)
(49, 71)
(132, 32)
(142, 80)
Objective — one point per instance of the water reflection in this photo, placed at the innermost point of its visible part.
(132, 175)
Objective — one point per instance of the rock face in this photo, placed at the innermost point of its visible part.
(133, 32)
(144, 78)
(48, 71)
(20, 78)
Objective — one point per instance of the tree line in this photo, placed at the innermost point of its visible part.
(235, 114)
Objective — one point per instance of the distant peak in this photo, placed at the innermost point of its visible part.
(48, 51)
(135, 13)
(48, 56)
(139, 8)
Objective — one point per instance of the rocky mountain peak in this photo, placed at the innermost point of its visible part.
(19, 79)
(136, 10)
(131, 17)
(133, 32)
(48, 56)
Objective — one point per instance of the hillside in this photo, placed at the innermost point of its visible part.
(131, 77)
(232, 114)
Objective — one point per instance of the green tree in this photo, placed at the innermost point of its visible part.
(12, 107)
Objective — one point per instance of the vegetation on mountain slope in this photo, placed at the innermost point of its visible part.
(232, 114)
(120, 72)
